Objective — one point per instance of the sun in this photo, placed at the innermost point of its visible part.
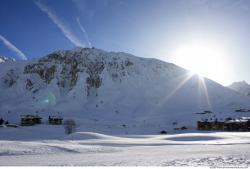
(203, 59)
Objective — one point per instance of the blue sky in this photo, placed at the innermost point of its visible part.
(146, 28)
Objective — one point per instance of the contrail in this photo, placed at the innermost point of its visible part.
(84, 31)
(56, 20)
(12, 47)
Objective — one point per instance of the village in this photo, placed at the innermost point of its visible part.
(229, 124)
(30, 120)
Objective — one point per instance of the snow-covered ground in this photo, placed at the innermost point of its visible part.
(48, 145)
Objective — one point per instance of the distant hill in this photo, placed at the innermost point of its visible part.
(241, 87)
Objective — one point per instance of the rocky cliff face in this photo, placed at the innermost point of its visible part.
(65, 68)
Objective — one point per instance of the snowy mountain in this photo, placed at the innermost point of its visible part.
(4, 59)
(241, 87)
(113, 92)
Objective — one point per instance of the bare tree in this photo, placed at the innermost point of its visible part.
(69, 126)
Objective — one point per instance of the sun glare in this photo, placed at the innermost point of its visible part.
(202, 59)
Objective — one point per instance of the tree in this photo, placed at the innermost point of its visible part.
(69, 126)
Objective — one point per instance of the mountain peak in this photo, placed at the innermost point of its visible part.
(5, 59)
(241, 87)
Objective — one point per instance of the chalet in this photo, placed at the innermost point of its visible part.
(30, 120)
(55, 120)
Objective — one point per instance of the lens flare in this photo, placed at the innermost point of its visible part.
(50, 99)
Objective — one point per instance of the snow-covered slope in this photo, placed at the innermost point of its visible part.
(112, 92)
(242, 87)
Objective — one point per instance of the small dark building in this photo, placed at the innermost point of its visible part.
(27, 120)
(55, 120)
(30, 120)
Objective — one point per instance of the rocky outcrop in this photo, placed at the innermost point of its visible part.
(45, 73)
(94, 69)
(65, 68)
(10, 78)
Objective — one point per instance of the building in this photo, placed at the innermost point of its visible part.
(55, 120)
(242, 124)
(30, 120)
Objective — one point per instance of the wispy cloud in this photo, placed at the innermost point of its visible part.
(57, 21)
(12, 47)
(84, 31)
